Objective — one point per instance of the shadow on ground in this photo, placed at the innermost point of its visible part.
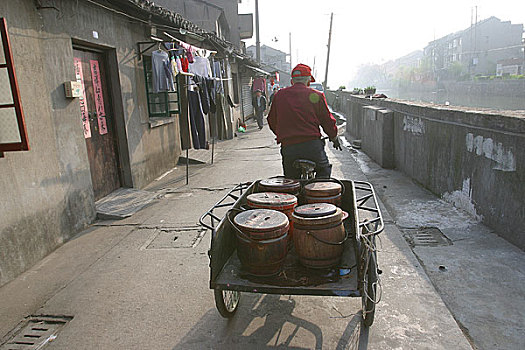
(267, 322)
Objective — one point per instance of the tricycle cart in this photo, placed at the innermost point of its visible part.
(355, 276)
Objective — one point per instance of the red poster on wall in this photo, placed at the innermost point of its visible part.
(99, 97)
(83, 102)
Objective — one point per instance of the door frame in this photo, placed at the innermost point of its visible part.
(109, 56)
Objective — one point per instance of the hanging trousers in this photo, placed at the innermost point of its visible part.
(198, 130)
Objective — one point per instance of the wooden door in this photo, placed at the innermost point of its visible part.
(98, 123)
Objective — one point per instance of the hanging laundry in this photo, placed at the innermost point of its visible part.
(185, 64)
(217, 73)
(210, 85)
(259, 84)
(200, 67)
(203, 93)
(162, 77)
(189, 51)
(174, 68)
(184, 117)
(179, 64)
(221, 118)
(198, 130)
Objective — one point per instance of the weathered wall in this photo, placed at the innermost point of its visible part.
(46, 193)
(473, 159)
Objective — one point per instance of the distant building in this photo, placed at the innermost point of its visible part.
(274, 61)
(511, 66)
(477, 49)
(412, 60)
(271, 57)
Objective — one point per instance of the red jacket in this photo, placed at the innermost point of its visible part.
(296, 114)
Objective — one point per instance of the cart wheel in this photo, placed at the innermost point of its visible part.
(370, 283)
(226, 302)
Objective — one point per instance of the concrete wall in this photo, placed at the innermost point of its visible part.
(377, 135)
(46, 193)
(473, 159)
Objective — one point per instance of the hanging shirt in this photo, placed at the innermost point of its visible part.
(174, 68)
(185, 64)
(189, 51)
(179, 64)
(259, 84)
(162, 79)
(200, 66)
(217, 73)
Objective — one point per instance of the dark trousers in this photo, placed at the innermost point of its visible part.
(259, 117)
(198, 130)
(310, 150)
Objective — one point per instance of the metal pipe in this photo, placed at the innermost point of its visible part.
(257, 41)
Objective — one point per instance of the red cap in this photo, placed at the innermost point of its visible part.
(302, 70)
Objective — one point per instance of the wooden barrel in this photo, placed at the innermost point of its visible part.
(279, 185)
(262, 240)
(319, 234)
(283, 202)
(323, 192)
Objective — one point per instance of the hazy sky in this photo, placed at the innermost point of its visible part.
(365, 31)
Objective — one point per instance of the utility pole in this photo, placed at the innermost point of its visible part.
(290, 41)
(257, 41)
(328, 53)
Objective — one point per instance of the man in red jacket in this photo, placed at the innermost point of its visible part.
(295, 116)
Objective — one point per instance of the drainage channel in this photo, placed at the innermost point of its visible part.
(35, 332)
(425, 236)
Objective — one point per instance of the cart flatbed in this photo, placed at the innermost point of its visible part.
(293, 279)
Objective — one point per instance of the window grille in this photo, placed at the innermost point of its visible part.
(160, 104)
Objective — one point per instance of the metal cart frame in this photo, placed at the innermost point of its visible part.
(364, 223)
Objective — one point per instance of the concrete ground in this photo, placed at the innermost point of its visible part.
(142, 282)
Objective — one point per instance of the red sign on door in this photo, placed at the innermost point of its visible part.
(99, 97)
(83, 102)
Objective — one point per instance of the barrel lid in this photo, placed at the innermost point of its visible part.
(272, 198)
(315, 210)
(280, 182)
(261, 220)
(323, 188)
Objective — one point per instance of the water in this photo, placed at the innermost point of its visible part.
(441, 97)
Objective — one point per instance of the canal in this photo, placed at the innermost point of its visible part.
(465, 100)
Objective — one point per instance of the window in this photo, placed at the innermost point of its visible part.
(160, 104)
(13, 134)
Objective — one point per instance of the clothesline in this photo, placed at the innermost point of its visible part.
(185, 43)
(214, 78)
